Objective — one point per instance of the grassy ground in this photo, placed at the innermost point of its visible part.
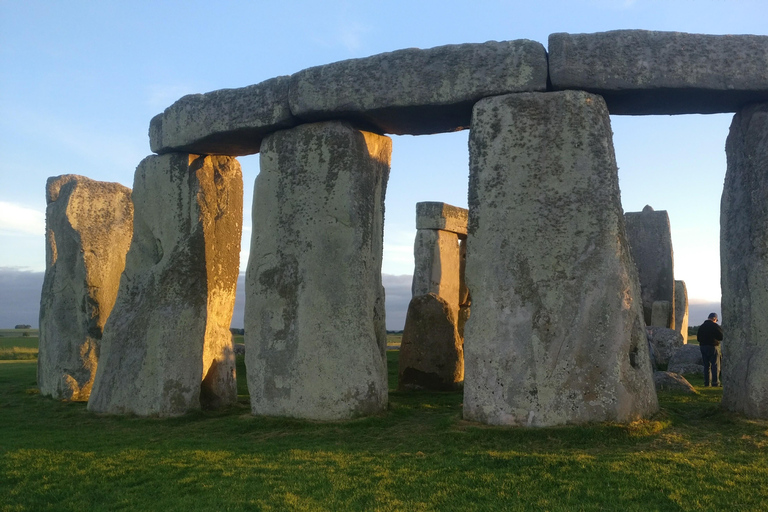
(418, 455)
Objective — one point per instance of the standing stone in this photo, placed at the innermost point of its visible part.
(167, 347)
(315, 330)
(650, 241)
(661, 312)
(437, 264)
(681, 309)
(88, 231)
(556, 334)
(744, 264)
(431, 352)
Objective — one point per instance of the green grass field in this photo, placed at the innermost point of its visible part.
(418, 455)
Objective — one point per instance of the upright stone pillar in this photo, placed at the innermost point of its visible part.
(167, 348)
(88, 231)
(431, 353)
(556, 334)
(744, 264)
(650, 241)
(681, 309)
(315, 330)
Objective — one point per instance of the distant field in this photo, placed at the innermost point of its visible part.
(13, 333)
(18, 348)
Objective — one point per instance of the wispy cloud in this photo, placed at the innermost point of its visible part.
(20, 220)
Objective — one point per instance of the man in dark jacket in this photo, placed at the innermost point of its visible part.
(710, 335)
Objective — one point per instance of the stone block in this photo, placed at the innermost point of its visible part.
(167, 348)
(435, 215)
(641, 72)
(437, 268)
(665, 343)
(744, 264)
(224, 122)
(314, 320)
(431, 352)
(556, 334)
(88, 231)
(650, 240)
(668, 381)
(661, 313)
(414, 91)
(686, 368)
(681, 309)
(687, 354)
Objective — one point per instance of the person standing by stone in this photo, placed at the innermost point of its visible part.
(710, 335)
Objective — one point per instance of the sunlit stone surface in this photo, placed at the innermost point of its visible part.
(314, 317)
(88, 231)
(744, 264)
(556, 334)
(167, 348)
(681, 309)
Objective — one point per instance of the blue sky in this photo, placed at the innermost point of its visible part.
(81, 80)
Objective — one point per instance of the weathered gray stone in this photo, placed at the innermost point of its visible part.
(437, 267)
(435, 215)
(415, 91)
(645, 72)
(556, 334)
(687, 354)
(661, 312)
(167, 348)
(665, 342)
(650, 241)
(686, 368)
(88, 231)
(431, 352)
(681, 309)
(669, 381)
(223, 122)
(744, 264)
(314, 319)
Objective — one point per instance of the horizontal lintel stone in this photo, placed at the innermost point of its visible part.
(436, 215)
(225, 122)
(641, 72)
(415, 91)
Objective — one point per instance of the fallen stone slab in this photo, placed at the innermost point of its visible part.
(687, 354)
(88, 230)
(556, 334)
(431, 352)
(167, 348)
(686, 368)
(670, 381)
(224, 122)
(744, 263)
(414, 91)
(641, 72)
(665, 342)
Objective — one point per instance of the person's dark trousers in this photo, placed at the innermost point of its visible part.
(710, 355)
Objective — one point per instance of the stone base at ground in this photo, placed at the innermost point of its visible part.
(669, 381)
(88, 231)
(431, 352)
(556, 334)
(167, 347)
(314, 321)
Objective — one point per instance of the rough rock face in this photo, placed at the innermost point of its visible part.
(687, 354)
(431, 352)
(686, 368)
(650, 241)
(681, 309)
(556, 334)
(88, 231)
(645, 72)
(665, 343)
(415, 91)
(167, 348)
(437, 264)
(661, 313)
(436, 215)
(314, 321)
(225, 122)
(668, 381)
(744, 264)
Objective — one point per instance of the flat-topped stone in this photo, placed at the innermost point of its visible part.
(225, 122)
(436, 215)
(414, 91)
(641, 72)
